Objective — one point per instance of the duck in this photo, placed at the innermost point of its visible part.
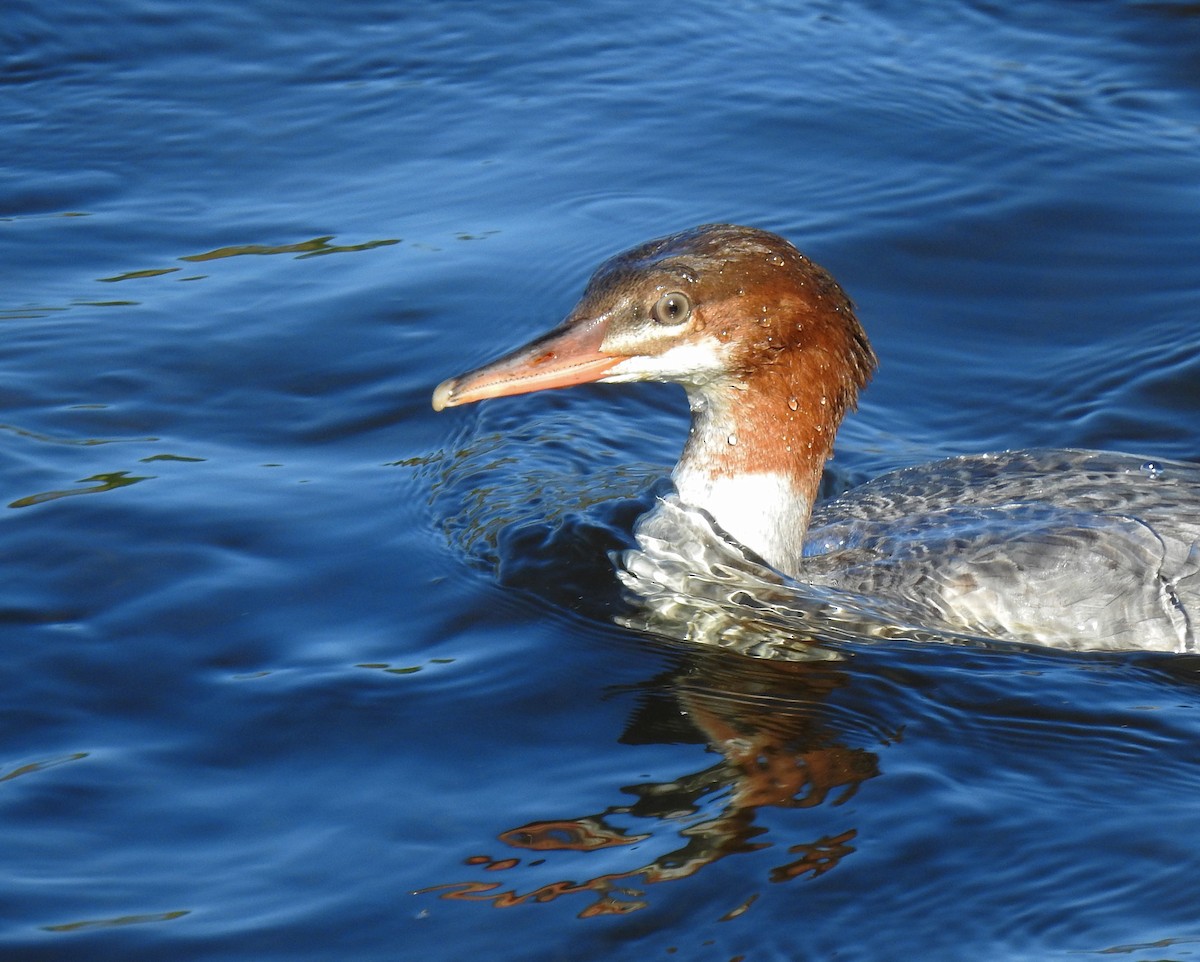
(1067, 548)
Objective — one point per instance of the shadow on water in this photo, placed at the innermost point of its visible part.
(804, 737)
(776, 745)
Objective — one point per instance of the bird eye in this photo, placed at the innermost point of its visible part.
(673, 308)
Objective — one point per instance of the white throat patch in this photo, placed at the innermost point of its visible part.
(684, 363)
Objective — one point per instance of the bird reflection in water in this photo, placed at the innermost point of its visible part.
(779, 746)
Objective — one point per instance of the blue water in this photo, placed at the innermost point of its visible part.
(295, 669)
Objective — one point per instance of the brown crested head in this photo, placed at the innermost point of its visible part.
(747, 290)
(715, 304)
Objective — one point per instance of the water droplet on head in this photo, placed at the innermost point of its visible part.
(1153, 470)
(732, 439)
(793, 403)
(823, 399)
(777, 260)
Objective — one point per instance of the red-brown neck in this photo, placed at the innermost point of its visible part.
(760, 437)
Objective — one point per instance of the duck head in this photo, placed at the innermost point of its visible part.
(764, 342)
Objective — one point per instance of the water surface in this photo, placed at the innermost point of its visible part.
(295, 669)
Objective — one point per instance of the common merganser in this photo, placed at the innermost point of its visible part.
(1070, 548)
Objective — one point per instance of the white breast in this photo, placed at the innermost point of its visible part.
(763, 511)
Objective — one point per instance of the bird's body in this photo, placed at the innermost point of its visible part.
(1071, 548)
